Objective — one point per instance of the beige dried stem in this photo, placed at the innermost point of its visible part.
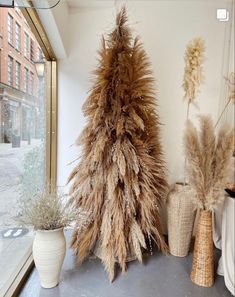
(209, 159)
(231, 94)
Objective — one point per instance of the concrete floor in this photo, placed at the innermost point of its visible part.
(159, 276)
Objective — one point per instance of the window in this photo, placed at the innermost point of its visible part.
(17, 10)
(26, 45)
(31, 50)
(10, 29)
(25, 148)
(40, 57)
(17, 75)
(26, 80)
(10, 71)
(31, 82)
(17, 36)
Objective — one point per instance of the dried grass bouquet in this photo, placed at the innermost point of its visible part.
(209, 159)
(46, 210)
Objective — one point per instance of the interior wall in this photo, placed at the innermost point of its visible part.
(165, 28)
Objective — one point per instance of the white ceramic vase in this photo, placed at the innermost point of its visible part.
(49, 249)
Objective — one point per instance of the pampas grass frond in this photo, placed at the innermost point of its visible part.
(209, 160)
(193, 71)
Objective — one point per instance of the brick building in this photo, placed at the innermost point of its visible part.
(19, 83)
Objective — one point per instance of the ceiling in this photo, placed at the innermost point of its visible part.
(91, 3)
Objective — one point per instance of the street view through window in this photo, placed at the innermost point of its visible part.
(22, 137)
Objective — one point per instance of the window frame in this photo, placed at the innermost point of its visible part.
(39, 32)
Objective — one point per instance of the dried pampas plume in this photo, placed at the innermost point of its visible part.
(120, 179)
(209, 161)
(193, 71)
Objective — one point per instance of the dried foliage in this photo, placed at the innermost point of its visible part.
(120, 178)
(45, 210)
(231, 94)
(193, 71)
(209, 160)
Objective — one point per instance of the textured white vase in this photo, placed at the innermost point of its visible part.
(49, 249)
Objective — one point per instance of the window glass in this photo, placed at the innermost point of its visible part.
(17, 36)
(22, 139)
(26, 80)
(26, 45)
(10, 70)
(31, 50)
(10, 29)
(17, 75)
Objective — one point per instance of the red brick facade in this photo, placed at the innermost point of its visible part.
(19, 83)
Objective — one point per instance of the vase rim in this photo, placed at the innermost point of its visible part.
(181, 184)
(49, 231)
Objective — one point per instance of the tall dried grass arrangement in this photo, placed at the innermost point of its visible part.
(193, 76)
(120, 178)
(193, 71)
(209, 159)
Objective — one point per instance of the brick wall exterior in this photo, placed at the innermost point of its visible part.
(18, 105)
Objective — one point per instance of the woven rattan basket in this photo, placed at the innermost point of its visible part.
(203, 257)
(180, 219)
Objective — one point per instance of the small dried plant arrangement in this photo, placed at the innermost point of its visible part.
(208, 161)
(45, 210)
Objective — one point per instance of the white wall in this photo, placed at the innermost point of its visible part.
(165, 28)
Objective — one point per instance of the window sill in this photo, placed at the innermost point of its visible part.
(16, 270)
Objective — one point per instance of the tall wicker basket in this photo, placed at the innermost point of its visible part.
(202, 272)
(180, 219)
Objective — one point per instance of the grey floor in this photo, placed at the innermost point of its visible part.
(159, 276)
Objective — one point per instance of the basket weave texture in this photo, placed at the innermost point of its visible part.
(202, 272)
(180, 219)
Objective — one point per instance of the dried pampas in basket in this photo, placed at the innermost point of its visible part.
(208, 162)
(180, 209)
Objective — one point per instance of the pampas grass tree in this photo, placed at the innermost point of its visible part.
(209, 159)
(120, 178)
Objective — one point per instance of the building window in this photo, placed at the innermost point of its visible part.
(10, 29)
(31, 82)
(26, 45)
(17, 10)
(10, 71)
(40, 57)
(31, 50)
(17, 36)
(17, 74)
(26, 80)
